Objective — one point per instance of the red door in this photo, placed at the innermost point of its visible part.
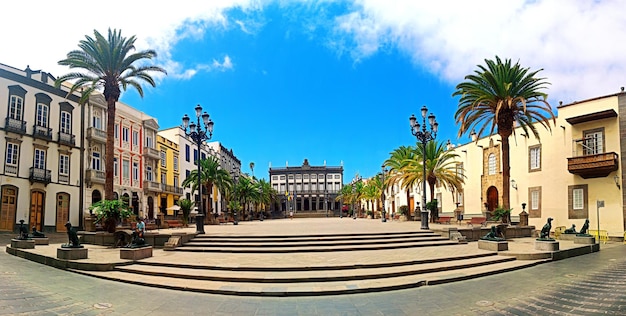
(492, 200)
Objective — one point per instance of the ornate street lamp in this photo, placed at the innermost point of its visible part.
(424, 136)
(382, 194)
(199, 135)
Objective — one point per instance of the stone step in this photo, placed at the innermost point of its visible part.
(288, 238)
(304, 275)
(306, 243)
(319, 248)
(312, 288)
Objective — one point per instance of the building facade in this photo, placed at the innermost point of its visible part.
(169, 175)
(573, 172)
(41, 178)
(307, 188)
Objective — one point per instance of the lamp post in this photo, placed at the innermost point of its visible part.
(382, 194)
(199, 135)
(260, 205)
(424, 136)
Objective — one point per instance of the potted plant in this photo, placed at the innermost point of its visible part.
(503, 214)
(433, 207)
(404, 212)
(185, 207)
(110, 212)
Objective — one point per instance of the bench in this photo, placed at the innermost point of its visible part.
(443, 219)
(173, 223)
(477, 220)
(602, 237)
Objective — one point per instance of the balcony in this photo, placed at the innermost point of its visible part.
(151, 186)
(593, 166)
(171, 189)
(151, 153)
(67, 139)
(96, 135)
(15, 126)
(95, 176)
(40, 175)
(42, 132)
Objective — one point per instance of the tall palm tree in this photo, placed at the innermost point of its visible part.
(267, 194)
(372, 192)
(210, 174)
(396, 162)
(109, 63)
(246, 192)
(499, 96)
(252, 168)
(441, 168)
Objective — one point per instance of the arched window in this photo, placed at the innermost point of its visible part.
(492, 164)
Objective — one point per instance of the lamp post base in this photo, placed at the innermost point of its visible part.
(424, 220)
(200, 224)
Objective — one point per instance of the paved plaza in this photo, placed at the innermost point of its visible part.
(592, 284)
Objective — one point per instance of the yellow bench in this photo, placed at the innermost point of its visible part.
(603, 236)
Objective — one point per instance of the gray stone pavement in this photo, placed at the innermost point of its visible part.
(586, 285)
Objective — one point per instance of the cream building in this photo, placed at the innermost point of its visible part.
(40, 177)
(567, 174)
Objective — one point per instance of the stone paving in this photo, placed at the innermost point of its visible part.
(586, 285)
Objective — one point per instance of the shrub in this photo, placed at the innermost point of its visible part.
(404, 210)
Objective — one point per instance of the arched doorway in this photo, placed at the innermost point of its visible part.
(150, 207)
(96, 196)
(492, 200)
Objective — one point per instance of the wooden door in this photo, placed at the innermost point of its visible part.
(63, 211)
(36, 210)
(492, 200)
(8, 208)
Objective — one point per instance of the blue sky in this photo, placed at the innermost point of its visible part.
(333, 81)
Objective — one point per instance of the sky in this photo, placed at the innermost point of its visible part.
(329, 81)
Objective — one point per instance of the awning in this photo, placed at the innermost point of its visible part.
(173, 208)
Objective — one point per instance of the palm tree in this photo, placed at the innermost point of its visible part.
(210, 174)
(252, 168)
(110, 64)
(372, 192)
(499, 96)
(185, 206)
(396, 162)
(267, 194)
(441, 168)
(246, 192)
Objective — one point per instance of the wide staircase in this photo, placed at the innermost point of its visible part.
(306, 265)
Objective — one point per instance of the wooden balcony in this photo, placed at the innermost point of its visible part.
(593, 166)
(96, 135)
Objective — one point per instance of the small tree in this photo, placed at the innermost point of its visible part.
(185, 206)
(433, 207)
(110, 212)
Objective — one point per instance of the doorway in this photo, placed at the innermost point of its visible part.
(63, 211)
(8, 208)
(492, 200)
(36, 210)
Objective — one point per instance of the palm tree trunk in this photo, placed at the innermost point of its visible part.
(506, 173)
(109, 153)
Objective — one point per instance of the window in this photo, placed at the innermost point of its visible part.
(337, 187)
(282, 187)
(163, 162)
(492, 164)
(534, 198)
(135, 171)
(64, 165)
(116, 167)
(96, 120)
(117, 131)
(163, 178)
(337, 176)
(534, 158)
(313, 176)
(187, 153)
(15, 107)
(306, 187)
(135, 138)
(175, 163)
(578, 205)
(13, 151)
(40, 159)
(149, 174)
(66, 122)
(282, 177)
(42, 115)
(459, 197)
(203, 156)
(176, 181)
(95, 160)
(149, 142)
(187, 172)
(299, 187)
(195, 157)
(125, 169)
(306, 176)
(459, 170)
(274, 177)
(593, 143)
(125, 131)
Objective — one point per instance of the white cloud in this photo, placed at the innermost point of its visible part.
(579, 43)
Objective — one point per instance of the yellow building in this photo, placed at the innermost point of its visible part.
(565, 175)
(169, 175)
